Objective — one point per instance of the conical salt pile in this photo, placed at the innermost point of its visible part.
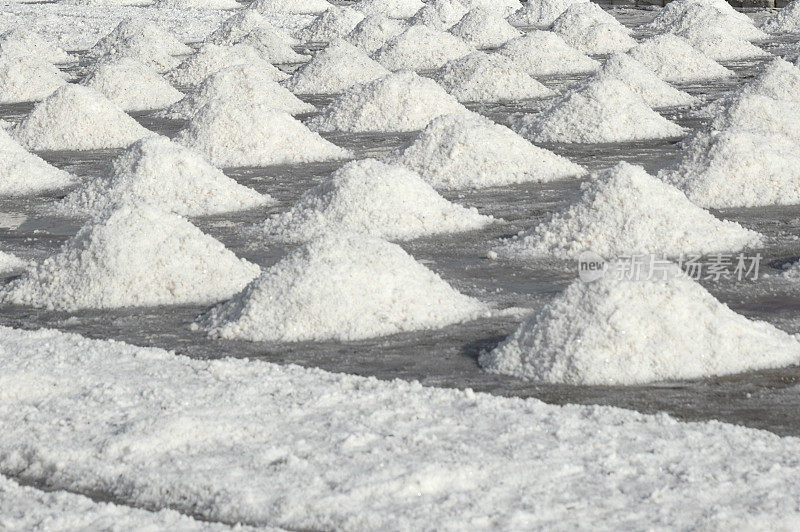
(300, 298)
(131, 85)
(619, 332)
(21, 42)
(760, 113)
(169, 177)
(482, 28)
(133, 255)
(298, 7)
(787, 20)
(720, 46)
(589, 29)
(440, 14)
(336, 68)
(716, 16)
(673, 59)
(334, 23)
(390, 8)
(543, 53)
(24, 79)
(653, 90)
(250, 28)
(143, 41)
(374, 31)
(23, 173)
(421, 48)
(470, 151)
(212, 58)
(541, 14)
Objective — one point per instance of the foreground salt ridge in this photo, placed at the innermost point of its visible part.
(131, 85)
(25, 173)
(337, 67)
(154, 429)
(27, 79)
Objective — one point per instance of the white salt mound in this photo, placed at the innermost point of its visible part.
(336, 68)
(168, 176)
(9, 263)
(23, 173)
(720, 46)
(470, 151)
(21, 42)
(75, 117)
(390, 8)
(300, 298)
(760, 113)
(242, 83)
(625, 211)
(482, 28)
(603, 110)
(780, 80)
(297, 7)
(716, 16)
(589, 29)
(197, 4)
(626, 332)
(421, 48)
(131, 85)
(440, 14)
(787, 20)
(142, 40)
(27, 79)
(543, 53)
(373, 32)
(402, 101)
(334, 23)
(212, 58)
(376, 199)
(250, 28)
(233, 134)
(540, 14)
(673, 59)
(653, 90)
(502, 8)
(133, 255)
(481, 77)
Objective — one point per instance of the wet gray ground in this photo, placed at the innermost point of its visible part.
(447, 357)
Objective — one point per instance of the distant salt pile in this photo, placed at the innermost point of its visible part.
(25, 43)
(334, 69)
(212, 58)
(721, 47)
(334, 23)
(673, 59)
(133, 255)
(168, 176)
(243, 83)
(298, 7)
(589, 29)
(780, 80)
(787, 20)
(540, 14)
(653, 90)
(716, 16)
(197, 4)
(390, 8)
(374, 31)
(440, 14)
(592, 333)
(470, 151)
(9, 263)
(398, 102)
(250, 28)
(143, 41)
(300, 298)
(543, 53)
(233, 134)
(23, 173)
(421, 48)
(27, 79)
(481, 77)
(481, 28)
(131, 85)
(625, 211)
(502, 8)
(77, 118)
(604, 110)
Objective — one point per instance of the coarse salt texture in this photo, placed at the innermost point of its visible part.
(374, 31)
(27, 79)
(168, 176)
(653, 90)
(242, 83)
(589, 29)
(708, 15)
(621, 332)
(10, 263)
(212, 58)
(543, 53)
(720, 46)
(760, 113)
(197, 4)
(332, 24)
(23, 173)
(390, 8)
(298, 7)
(300, 298)
(541, 14)
(402, 101)
(235, 134)
(787, 20)
(440, 14)
(75, 117)
(131, 85)
(133, 255)
(421, 48)
(142, 40)
(482, 28)
(482, 77)
(250, 28)
(373, 198)
(603, 110)
(21, 42)
(780, 80)
(470, 151)
(502, 8)
(336, 68)
(674, 59)
(625, 211)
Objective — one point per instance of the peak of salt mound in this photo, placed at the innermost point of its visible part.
(25, 173)
(242, 83)
(760, 113)
(625, 211)
(470, 151)
(591, 30)
(787, 20)
(75, 117)
(481, 28)
(673, 59)
(233, 134)
(705, 15)
(297, 7)
(622, 332)
(440, 14)
(373, 198)
(300, 298)
(719, 46)
(481, 77)
(541, 14)
(168, 176)
(212, 58)
(133, 255)
(334, 23)
(131, 85)
(502, 8)
(390, 8)
(197, 4)
(421, 48)
(21, 42)
(27, 79)
(334, 69)
(543, 53)
(780, 80)
(402, 101)
(374, 31)
(653, 90)
(603, 110)
(142, 40)
(250, 28)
